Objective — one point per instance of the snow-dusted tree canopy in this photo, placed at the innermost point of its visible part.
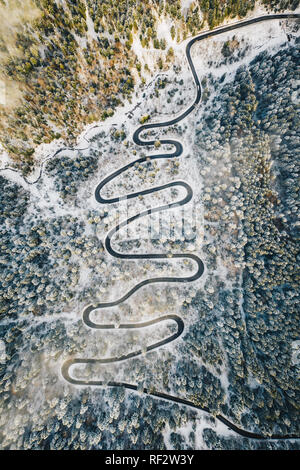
(236, 356)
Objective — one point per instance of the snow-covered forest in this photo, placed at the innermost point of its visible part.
(237, 355)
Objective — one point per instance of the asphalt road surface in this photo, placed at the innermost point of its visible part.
(178, 149)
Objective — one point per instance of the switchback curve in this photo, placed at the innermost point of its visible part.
(178, 149)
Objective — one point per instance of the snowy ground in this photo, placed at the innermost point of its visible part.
(159, 103)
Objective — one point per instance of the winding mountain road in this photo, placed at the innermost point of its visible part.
(178, 149)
